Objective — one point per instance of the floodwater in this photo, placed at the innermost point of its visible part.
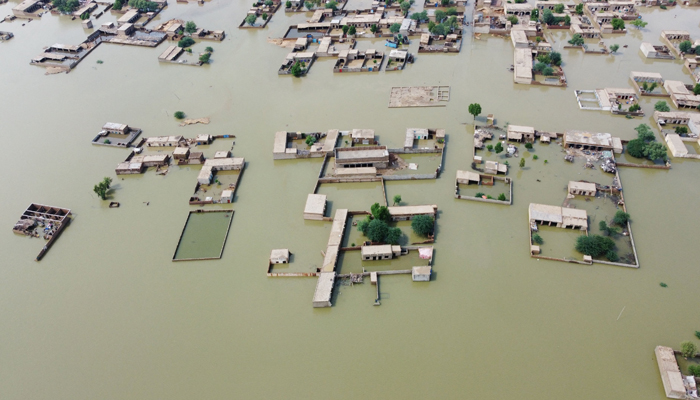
(203, 236)
(107, 314)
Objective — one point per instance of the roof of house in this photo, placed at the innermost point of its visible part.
(224, 162)
(468, 176)
(113, 126)
(279, 253)
(424, 270)
(588, 138)
(324, 287)
(543, 212)
(676, 145)
(523, 63)
(413, 210)
(670, 372)
(360, 154)
(362, 134)
(315, 204)
(376, 250)
(280, 142)
(181, 150)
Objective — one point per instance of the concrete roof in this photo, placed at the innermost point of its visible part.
(413, 210)
(376, 250)
(279, 253)
(328, 144)
(468, 176)
(522, 63)
(676, 145)
(676, 87)
(586, 186)
(25, 5)
(324, 287)
(543, 212)
(338, 227)
(181, 150)
(588, 138)
(280, 142)
(315, 204)
(652, 75)
(362, 134)
(670, 373)
(424, 270)
(371, 153)
(128, 15)
(113, 126)
(223, 162)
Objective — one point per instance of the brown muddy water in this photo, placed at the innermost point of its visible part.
(107, 314)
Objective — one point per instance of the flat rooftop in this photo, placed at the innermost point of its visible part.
(315, 204)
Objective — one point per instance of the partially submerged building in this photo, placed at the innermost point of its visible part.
(211, 166)
(305, 59)
(363, 136)
(315, 207)
(522, 66)
(407, 213)
(371, 156)
(27, 9)
(165, 141)
(681, 95)
(494, 167)
(651, 51)
(671, 376)
(397, 60)
(582, 188)
(413, 134)
(40, 220)
(591, 141)
(380, 252)
(279, 256)
(518, 133)
(283, 146)
(421, 274)
(354, 60)
(118, 135)
(561, 217)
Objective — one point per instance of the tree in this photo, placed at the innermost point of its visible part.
(555, 58)
(489, 147)
(250, 19)
(102, 188)
(374, 28)
(380, 212)
(346, 28)
(310, 140)
(576, 40)
(352, 30)
(377, 230)
(439, 29)
(536, 238)
(363, 225)
(264, 16)
(612, 256)
(522, 162)
(397, 199)
(696, 88)
(513, 19)
(288, 4)
(639, 24)
(423, 225)
(688, 349)
(548, 71)
(621, 218)
(635, 107)
(535, 15)
(143, 5)
(635, 148)
(333, 5)
(204, 58)
(208, 49)
(652, 87)
(269, 3)
(66, 6)
(309, 5)
(431, 26)
(440, 16)
(685, 46)
(297, 70)
(694, 370)
(539, 66)
(528, 145)
(662, 106)
(499, 148)
(579, 9)
(645, 133)
(502, 197)
(475, 109)
(117, 5)
(655, 151)
(395, 28)
(452, 11)
(547, 17)
(185, 42)
(190, 27)
(617, 24)
(594, 245)
(405, 6)
(559, 8)
(614, 48)
(393, 236)
(179, 114)
(420, 16)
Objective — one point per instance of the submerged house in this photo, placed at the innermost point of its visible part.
(592, 141)
(407, 213)
(561, 217)
(315, 207)
(380, 252)
(582, 188)
(371, 156)
(520, 133)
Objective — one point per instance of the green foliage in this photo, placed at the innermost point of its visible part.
(544, 58)
(639, 24)
(179, 114)
(685, 46)
(100, 61)
(594, 245)
(374, 28)
(559, 8)
(540, 66)
(662, 284)
(397, 199)
(143, 5)
(420, 16)
(269, 3)
(618, 24)
(579, 9)
(309, 5)
(208, 49)
(423, 225)
(697, 334)
(547, 17)
(107, 141)
(185, 42)
(440, 16)
(645, 133)
(204, 58)
(288, 4)
(499, 148)
(522, 162)
(264, 16)
(479, 194)
(621, 218)
(555, 58)
(190, 27)
(439, 29)
(655, 151)
(612, 256)
(567, 20)
(445, 3)
(513, 19)
(548, 71)
(405, 6)
(102, 188)
(452, 11)
(535, 15)
(576, 40)
(663, 7)
(352, 30)
(310, 140)
(694, 370)
(377, 230)
(489, 147)
(681, 130)
(117, 5)
(502, 197)
(393, 236)
(66, 6)
(250, 19)
(363, 225)
(662, 106)
(528, 145)
(297, 70)
(475, 109)
(380, 212)
(346, 28)
(635, 148)
(395, 28)
(333, 5)
(696, 88)
(688, 349)
(614, 48)
(537, 239)
(635, 107)
(84, 16)
(534, 157)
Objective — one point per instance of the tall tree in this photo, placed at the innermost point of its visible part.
(475, 109)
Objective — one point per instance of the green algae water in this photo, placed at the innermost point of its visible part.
(107, 314)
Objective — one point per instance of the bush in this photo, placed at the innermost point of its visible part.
(117, 5)
(594, 245)
(536, 238)
(534, 157)
(645, 133)
(697, 334)
(288, 4)
(576, 40)
(614, 48)
(556, 58)
(655, 151)
(502, 197)
(694, 370)
(250, 19)
(204, 58)
(393, 236)
(264, 16)
(377, 230)
(352, 30)
(208, 49)
(479, 194)
(423, 225)
(185, 42)
(681, 130)
(297, 70)
(635, 108)
(618, 24)
(662, 106)
(190, 27)
(522, 162)
(621, 218)
(688, 349)
(559, 8)
(685, 46)
(179, 114)
(528, 145)
(696, 88)
(310, 140)
(380, 212)
(548, 71)
(540, 66)
(489, 147)
(635, 148)
(395, 28)
(499, 148)
(612, 256)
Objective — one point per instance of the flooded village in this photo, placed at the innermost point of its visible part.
(380, 160)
